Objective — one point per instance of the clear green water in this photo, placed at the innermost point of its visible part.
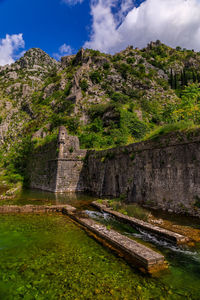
(183, 276)
(37, 197)
(50, 257)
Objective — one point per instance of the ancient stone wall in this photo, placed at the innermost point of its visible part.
(164, 173)
(56, 167)
(42, 167)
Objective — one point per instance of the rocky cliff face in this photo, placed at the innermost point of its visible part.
(18, 82)
(106, 100)
(82, 87)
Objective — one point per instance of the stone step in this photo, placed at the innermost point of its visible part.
(139, 224)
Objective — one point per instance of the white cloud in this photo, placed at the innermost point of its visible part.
(72, 2)
(8, 47)
(126, 6)
(174, 22)
(63, 51)
(104, 33)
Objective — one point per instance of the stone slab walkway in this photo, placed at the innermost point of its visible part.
(136, 223)
(137, 254)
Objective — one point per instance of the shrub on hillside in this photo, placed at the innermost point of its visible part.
(84, 85)
(95, 77)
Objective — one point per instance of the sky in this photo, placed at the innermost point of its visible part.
(62, 27)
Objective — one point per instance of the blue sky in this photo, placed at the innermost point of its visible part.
(61, 27)
(45, 24)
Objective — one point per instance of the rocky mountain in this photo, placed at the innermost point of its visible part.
(18, 82)
(107, 100)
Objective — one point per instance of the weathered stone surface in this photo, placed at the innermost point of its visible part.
(160, 232)
(42, 168)
(57, 167)
(26, 90)
(35, 58)
(163, 173)
(137, 254)
(13, 75)
(9, 209)
(48, 91)
(66, 60)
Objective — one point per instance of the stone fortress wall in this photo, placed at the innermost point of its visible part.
(56, 167)
(164, 173)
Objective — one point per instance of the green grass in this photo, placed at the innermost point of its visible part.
(39, 142)
(168, 128)
(132, 210)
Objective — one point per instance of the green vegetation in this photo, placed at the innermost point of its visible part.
(84, 85)
(39, 142)
(131, 96)
(96, 77)
(197, 201)
(75, 268)
(165, 129)
(132, 210)
(40, 261)
(106, 66)
(14, 163)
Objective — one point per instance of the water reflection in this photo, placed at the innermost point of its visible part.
(37, 197)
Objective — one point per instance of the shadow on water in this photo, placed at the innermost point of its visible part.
(184, 220)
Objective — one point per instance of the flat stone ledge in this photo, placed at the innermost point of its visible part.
(135, 253)
(161, 232)
(9, 209)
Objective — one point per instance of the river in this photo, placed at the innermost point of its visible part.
(50, 257)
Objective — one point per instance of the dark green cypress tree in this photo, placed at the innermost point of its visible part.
(171, 80)
(185, 76)
(175, 81)
(194, 76)
(182, 79)
(198, 77)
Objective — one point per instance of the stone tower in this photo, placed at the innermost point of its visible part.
(68, 144)
(69, 163)
(62, 172)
